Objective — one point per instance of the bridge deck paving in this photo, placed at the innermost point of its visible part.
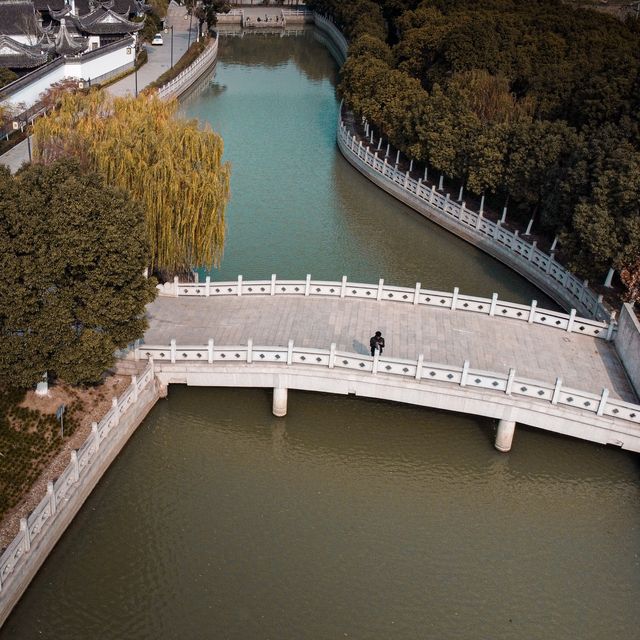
(443, 336)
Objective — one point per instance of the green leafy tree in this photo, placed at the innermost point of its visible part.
(72, 252)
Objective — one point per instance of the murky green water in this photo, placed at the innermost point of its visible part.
(348, 518)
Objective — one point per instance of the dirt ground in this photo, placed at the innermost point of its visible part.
(97, 401)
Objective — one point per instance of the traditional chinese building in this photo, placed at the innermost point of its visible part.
(33, 32)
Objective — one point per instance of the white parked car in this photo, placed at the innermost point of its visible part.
(157, 39)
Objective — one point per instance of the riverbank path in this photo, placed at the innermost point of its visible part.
(443, 336)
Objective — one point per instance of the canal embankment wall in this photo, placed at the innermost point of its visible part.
(40, 532)
(627, 343)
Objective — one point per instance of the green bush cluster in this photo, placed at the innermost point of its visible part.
(534, 103)
(28, 441)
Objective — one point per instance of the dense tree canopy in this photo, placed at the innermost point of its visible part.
(72, 255)
(170, 166)
(537, 102)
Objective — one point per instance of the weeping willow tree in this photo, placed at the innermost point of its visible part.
(168, 164)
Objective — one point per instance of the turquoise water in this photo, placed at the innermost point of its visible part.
(297, 206)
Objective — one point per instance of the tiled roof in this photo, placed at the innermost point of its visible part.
(16, 55)
(17, 17)
(105, 21)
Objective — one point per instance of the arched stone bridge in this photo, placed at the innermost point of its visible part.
(512, 362)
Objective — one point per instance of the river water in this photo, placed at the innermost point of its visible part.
(348, 518)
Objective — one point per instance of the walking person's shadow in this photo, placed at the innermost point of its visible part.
(360, 348)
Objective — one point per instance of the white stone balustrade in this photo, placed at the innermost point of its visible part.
(382, 292)
(188, 76)
(56, 502)
(523, 256)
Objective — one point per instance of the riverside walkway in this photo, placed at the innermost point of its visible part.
(566, 368)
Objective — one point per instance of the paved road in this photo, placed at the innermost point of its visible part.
(160, 56)
(446, 337)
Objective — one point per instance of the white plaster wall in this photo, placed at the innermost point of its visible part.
(29, 94)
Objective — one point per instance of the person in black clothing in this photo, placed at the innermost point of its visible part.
(376, 342)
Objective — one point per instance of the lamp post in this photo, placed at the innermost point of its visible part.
(136, 76)
(166, 30)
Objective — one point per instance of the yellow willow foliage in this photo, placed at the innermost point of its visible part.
(168, 164)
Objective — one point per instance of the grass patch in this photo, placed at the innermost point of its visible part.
(29, 440)
(189, 56)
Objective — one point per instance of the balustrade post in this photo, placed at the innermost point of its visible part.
(398, 157)
(380, 287)
(52, 498)
(492, 306)
(609, 278)
(454, 298)
(416, 293)
(611, 327)
(572, 317)
(504, 215)
(446, 203)
(496, 230)
(210, 351)
(482, 203)
(465, 372)
(554, 243)
(176, 286)
(556, 391)
(603, 401)
(332, 355)
(441, 182)
(239, 285)
(134, 384)
(406, 179)
(532, 251)
(173, 350)
(207, 286)
(371, 136)
(528, 231)
(418, 187)
(374, 365)
(273, 284)
(419, 363)
(532, 311)
(290, 352)
(307, 285)
(343, 286)
(116, 410)
(26, 537)
(460, 193)
(431, 195)
(379, 143)
(387, 154)
(249, 351)
(478, 219)
(425, 174)
(510, 379)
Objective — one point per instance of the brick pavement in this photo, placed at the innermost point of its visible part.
(443, 336)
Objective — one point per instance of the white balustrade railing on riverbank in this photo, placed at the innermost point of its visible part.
(526, 255)
(188, 76)
(54, 502)
(454, 301)
(506, 383)
(327, 25)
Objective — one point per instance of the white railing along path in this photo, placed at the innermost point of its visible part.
(454, 301)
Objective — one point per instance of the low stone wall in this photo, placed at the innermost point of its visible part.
(627, 343)
(42, 529)
(186, 78)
